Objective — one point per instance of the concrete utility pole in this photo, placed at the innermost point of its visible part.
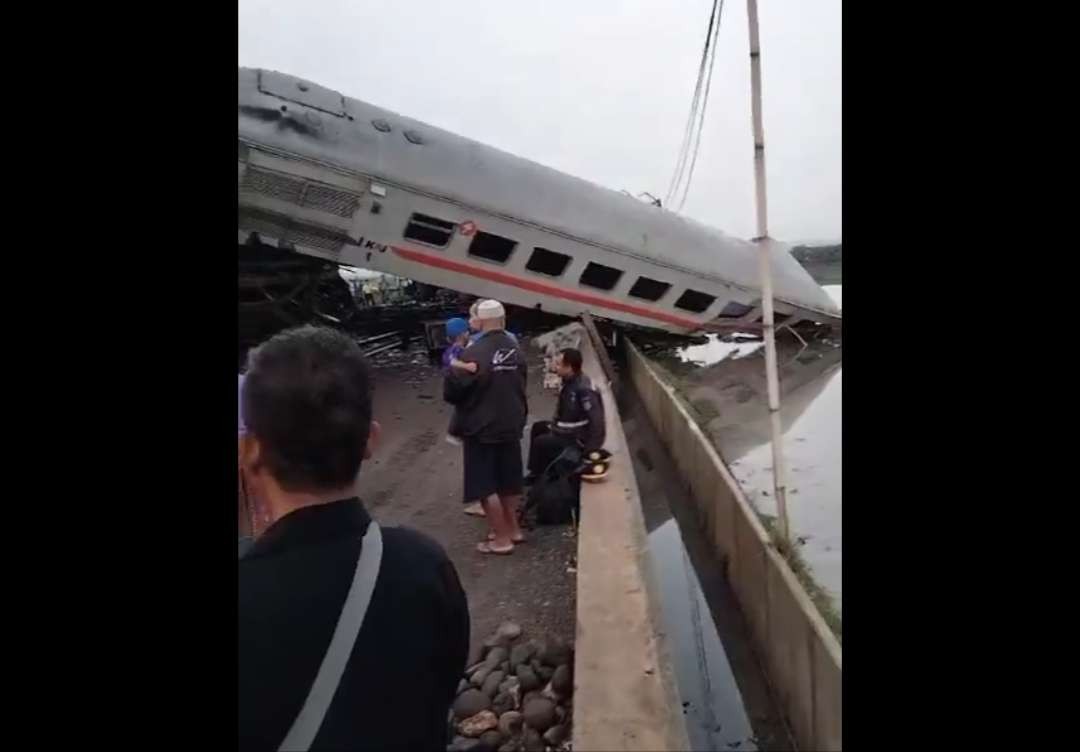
(764, 250)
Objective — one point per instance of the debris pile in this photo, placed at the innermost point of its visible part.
(517, 698)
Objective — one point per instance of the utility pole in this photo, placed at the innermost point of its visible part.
(764, 244)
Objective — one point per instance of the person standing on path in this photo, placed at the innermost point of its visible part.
(351, 636)
(494, 410)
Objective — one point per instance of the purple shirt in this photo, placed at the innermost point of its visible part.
(454, 351)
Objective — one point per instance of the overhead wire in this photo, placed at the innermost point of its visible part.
(691, 118)
(687, 157)
(703, 109)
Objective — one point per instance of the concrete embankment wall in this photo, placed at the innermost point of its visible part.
(625, 695)
(800, 655)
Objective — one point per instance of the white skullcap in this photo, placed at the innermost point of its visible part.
(490, 309)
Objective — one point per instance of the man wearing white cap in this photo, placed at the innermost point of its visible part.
(494, 410)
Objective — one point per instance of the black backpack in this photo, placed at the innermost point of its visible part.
(555, 497)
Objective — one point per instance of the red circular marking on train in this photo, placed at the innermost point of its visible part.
(467, 228)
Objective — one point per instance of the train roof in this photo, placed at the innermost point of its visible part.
(355, 135)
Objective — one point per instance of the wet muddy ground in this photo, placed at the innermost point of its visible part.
(415, 480)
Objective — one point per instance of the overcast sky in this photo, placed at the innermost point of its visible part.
(596, 88)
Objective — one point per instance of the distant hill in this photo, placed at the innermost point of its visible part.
(824, 262)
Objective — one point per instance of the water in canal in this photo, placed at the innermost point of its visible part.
(726, 702)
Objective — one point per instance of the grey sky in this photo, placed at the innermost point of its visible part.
(596, 88)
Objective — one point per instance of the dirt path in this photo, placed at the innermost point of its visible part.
(415, 480)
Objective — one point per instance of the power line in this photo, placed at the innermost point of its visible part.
(683, 174)
(691, 117)
(704, 109)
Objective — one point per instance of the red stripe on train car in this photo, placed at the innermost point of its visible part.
(539, 287)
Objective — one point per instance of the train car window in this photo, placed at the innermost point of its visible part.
(734, 310)
(649, 289)
(600, 276)
(492, 247)
(547, 262)
(694, 301)
(429, 230)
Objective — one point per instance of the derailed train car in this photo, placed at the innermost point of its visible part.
(334, 178)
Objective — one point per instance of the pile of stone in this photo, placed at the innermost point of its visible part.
(517, 698)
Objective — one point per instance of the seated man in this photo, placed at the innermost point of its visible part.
(579, 418)
(350, 636)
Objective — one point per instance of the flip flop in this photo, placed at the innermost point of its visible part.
(477, 511)
(515, 541)
(486, 548)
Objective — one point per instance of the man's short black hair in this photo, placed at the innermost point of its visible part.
(572, 357)
(307, 399)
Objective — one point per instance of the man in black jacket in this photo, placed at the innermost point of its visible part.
(493, 409)
(579, 417)
(350, 636)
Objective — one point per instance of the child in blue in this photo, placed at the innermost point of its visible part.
(457, 332)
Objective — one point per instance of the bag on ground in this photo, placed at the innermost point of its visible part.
(555, 497)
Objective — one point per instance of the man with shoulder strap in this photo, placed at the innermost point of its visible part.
(351, 637)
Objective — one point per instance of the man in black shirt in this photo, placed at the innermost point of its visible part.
(493, 409)
(351, 637)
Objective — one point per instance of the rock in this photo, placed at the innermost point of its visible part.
(555, 652)
(463, 744)
(505, 667)
(550, 693)
(562, 681)
(502, 703)
(560, 713)
(532, 741)
(530, 696)
(520, 654)
(527, 678)
(510, 746)
(545, 673)
(496, 655)
(475, 725)
(555, 735)
(476, 656)
(491, 683)
(480, 675)
(539, 713)
(490, 740)
(463, 685)
(512, 687)
(510, 723)
(469, 703)
(508, 631)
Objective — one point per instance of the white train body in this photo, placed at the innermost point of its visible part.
(340, 179)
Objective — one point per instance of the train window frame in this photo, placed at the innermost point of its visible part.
(492, 259)
(733, 309)
(600, 269)
(646, 281)
(537, 251)
(684, 304)
(432, 224)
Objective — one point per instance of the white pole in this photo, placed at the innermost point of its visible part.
(764, 249)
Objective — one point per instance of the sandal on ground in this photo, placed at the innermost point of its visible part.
(486, 548)
(475, 510)
(515, 541)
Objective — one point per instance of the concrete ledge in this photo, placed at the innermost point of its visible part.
(800, 654)
(625, 695)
